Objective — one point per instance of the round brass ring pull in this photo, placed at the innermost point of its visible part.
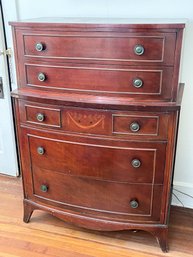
(40, 150)
(44, 188)
(136, 163)
(134, 204)
(134, 127)
(41, 77)
(39, 47)
(139, 50)
(40, 117)
(137, 82)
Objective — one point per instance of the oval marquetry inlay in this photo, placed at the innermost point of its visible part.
(85, 121)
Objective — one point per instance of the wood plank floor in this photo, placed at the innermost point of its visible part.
(49, 236)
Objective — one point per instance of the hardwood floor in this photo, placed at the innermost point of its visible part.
(49, 236)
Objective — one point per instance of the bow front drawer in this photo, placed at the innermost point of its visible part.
(141, 82)
(134, 162)
(111, 46)
(99, 198)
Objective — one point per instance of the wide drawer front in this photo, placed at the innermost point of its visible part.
(142, 82)
(147, 125)
(134, 162)
(118, 200)
(125, 47)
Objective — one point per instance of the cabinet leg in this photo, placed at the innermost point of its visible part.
(162, 238)
(28, 210)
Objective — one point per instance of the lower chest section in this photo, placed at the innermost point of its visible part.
(97, 177)
(98, 163)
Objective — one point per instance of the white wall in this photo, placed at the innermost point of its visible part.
(183, 179)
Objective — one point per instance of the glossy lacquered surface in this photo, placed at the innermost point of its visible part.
(151, 125)
(103, 80)
(97, 111)
(106, 62)
(135, 47)
(116, 160)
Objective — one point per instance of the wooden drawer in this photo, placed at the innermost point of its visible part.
(135, 124)
(104, 46)
(104, 198)
(41, 115)
(141, 82)
(134, 162)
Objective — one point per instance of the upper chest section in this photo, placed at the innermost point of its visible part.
(135, 61)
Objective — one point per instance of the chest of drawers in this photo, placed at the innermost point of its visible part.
(97, 111)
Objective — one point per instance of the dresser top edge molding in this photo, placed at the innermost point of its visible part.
(94, 101)
(103, 22)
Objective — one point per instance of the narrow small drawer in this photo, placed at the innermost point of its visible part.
(44, 116)
(140, 125)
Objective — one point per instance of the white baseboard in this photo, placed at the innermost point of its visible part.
(186, 188)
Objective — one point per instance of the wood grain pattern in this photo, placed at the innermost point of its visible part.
(78, 160)
(103, 81)
(94, 101)
(115, 164)
(101, 46)
(51, 117)
(47, 236)
(153, 125)
(160, 43)
(97, 199)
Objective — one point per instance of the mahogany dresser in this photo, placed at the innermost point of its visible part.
(97, 109)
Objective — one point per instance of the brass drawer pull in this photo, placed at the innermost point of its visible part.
(139, 49)
(40, 117)
(134, 204)
(39, 47)
(136, 163)
(44, 188)
(41, 77)
(137, 82)
(40, 150)
(134, 127)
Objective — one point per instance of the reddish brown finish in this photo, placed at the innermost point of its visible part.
(86, 24)
(105, 199)
(153, 125)
(51, 116)
(88, 102)
(115, 160)
(100, 46)
(148, 125)
(103, 80)
(98, 102)
(162, 47)
(87, 121)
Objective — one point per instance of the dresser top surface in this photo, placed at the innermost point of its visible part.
(145, 23)
(94, 101)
